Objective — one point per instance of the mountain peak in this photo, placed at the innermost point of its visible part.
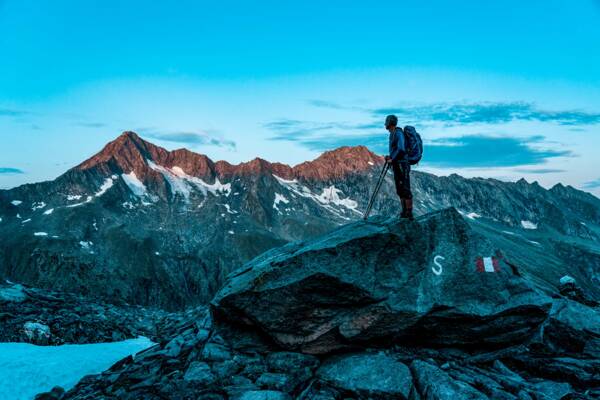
(338, 163)
(131, 135)
(127, 152)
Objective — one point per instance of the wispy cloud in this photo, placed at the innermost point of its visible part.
(540, 170)
(480, 151)
(92, 124)
(8, 112)
(489, 113)
(10, 171)
(592, 184)
(474, 112)
(190, 138)
(320, 136)
(283, 127)
(469, 151)
(333, 105)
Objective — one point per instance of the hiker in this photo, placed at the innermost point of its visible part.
(398, 158)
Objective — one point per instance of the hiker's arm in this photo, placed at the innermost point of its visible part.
(396, 146)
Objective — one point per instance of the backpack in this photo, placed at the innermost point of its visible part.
(413, 145)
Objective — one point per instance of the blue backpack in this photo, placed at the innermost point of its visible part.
(413, 144)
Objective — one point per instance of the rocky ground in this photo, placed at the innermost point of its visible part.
(431, 309)
(52, 318)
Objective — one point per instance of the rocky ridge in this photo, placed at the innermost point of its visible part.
(163, 228)
(45, 317)
(371, 311)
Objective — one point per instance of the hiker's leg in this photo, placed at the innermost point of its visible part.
(397, 178)
(406, 192)
(398, 182)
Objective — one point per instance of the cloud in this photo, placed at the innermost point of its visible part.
(468, 151)
(326, 104)
(472, 113)
(540, 171)
(286, 126)
(190, 138)
(92, 124)
(480, 151)
(473, 151)
(7, 112)
(333, 105)
(592, 184)
(10, 171)
(488, 113)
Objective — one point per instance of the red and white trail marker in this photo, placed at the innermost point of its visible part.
(487, 264)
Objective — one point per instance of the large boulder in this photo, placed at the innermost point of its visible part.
(573, 329)
(432, 281)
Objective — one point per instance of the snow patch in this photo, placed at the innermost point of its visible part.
(370, 163)
(285, 182)
(89, 199)
(279, 198)
(40, 234)
(134, 184)
(215, 188)
(26, 221)
(128, 205)
(528, 225)
(330, 196)
(37, 206)
(48, 212)
(27, 370)
(108, 183)
(180, 181)
(72, 197)
(177, 184)
(85, 245)
(472, 215)
(231, 232)
(16, 202)
(228, 208)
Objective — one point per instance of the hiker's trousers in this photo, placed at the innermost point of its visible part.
(402, 179)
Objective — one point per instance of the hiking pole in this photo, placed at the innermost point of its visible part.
(386, 166)
(372, 198)
(376, 190)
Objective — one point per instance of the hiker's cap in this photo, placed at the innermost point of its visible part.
(391, 120)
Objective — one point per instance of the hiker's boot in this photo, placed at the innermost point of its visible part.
(408, 204)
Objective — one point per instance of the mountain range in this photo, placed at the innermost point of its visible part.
(142, 225)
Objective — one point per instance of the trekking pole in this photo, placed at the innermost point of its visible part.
(372, 198)
(386, 166)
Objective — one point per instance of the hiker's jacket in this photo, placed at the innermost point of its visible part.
(397, 146)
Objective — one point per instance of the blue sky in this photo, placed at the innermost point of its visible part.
(501, 89)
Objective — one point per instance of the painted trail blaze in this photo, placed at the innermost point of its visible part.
(487, 264)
